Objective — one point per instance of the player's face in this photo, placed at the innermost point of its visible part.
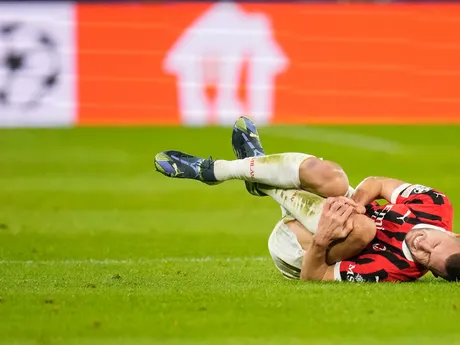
(431, 248)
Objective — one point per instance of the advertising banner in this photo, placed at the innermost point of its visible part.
(198, 63)
(208, 63)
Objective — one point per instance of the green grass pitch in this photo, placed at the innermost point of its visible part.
(97, 248)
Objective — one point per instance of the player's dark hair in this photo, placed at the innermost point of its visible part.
(453, 268)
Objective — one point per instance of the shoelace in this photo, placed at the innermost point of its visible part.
(205, 165)
(202, 165)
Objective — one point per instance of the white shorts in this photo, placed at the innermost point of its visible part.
(285, 251)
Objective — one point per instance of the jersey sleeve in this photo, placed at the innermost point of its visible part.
(373, 269)
(429, 205)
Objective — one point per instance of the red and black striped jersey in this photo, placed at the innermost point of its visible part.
(387, 257)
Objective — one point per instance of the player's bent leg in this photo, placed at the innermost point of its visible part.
(284, 170)
(304, 211)
(289, 170)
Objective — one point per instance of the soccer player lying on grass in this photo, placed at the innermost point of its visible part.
(338, 238)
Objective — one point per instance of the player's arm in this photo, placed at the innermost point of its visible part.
(332, 226)
(373, 188)
(314, 265)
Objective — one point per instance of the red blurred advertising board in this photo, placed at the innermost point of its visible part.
(281, 63)
(208, 63)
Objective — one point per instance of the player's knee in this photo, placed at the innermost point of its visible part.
(323, 177)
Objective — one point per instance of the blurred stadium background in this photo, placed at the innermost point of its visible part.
(97, 248)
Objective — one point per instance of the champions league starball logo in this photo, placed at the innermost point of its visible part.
(29, 65)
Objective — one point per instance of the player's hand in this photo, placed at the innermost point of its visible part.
(333, 223)
(360, 209)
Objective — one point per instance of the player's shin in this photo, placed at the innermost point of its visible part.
(278, 170)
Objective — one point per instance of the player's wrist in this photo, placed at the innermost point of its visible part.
(321, 242)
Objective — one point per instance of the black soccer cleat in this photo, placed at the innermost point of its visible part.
(178, 164)
(245, 139)
(246, 143)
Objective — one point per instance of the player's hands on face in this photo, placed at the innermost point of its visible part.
(333, 223)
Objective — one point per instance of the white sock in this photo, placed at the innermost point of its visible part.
(304, 206)
(278, 170)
